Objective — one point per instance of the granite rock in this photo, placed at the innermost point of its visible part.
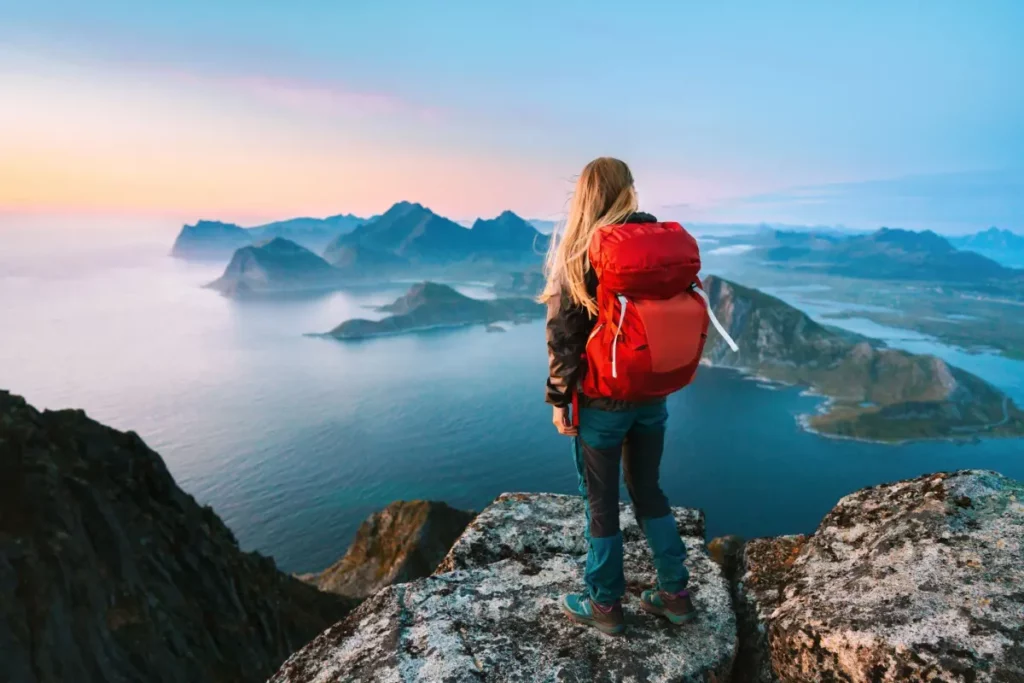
(491, 612)
(917, 580)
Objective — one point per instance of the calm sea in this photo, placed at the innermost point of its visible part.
(294, 440)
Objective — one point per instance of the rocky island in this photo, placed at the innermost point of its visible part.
(430, 305)
(875, 393)
(276, 266)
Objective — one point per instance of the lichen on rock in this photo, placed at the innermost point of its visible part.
(491, 611)
(917, 580)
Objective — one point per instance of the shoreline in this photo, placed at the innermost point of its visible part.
(827, 402)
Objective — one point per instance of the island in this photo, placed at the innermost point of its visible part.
(873, 392)
(276, 266)
(430, 305)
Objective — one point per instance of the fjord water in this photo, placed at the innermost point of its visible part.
(294, 440)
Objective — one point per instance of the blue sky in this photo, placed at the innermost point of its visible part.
(717, 106)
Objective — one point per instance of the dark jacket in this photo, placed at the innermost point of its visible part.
(568, 328)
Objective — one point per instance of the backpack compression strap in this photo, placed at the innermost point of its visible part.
(714, 320)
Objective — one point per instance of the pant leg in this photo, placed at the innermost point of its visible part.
(601, 434)
(577, 456)
(641, 460)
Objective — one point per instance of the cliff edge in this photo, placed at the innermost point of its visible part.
(490, 613)
(920, 580)
(110, 572)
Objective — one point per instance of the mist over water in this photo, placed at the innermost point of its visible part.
(294, 440)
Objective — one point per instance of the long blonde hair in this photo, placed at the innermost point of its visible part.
(604, 195)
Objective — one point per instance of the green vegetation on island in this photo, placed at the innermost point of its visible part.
(875, 393)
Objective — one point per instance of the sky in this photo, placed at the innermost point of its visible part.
(859, 114)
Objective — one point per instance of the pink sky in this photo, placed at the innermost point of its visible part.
(92, 137)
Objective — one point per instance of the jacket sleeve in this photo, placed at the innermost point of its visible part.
(568, 326)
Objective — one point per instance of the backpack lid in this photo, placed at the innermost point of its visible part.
(645, 260)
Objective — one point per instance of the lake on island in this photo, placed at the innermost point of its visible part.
(294, 440)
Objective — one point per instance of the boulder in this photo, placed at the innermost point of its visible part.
(491, 611)
(917, 580)
(402, 542)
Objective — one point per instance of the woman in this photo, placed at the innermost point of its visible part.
(605, 427)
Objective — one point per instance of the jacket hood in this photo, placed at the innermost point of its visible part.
(640, 217)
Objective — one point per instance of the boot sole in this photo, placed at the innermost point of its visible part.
(674, 619)
(603, 628)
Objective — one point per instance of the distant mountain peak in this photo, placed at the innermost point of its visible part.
(925, 239)
(281, 245)
(204, 223)
(406, 207)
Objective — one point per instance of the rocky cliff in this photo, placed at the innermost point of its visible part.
(402, 542)
(490, 611)
(109, 572)
(921, 580)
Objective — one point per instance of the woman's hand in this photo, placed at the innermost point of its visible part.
(560, 417)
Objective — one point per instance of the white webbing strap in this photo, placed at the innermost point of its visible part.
(615, 342)
(714, 320)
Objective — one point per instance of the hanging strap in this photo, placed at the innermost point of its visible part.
(714, 320)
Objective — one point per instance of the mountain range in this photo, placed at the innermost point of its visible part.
(407, 241)
(1003, 246)
(887, 254)
(217, 240)
(416, 234)
(874, 392)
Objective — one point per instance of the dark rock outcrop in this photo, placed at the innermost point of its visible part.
(920, 580)
(110, 573)
(491, 613)
(402, 542)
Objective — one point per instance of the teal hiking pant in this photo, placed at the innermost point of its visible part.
(636, 439)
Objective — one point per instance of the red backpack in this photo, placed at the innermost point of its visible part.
(653, 316)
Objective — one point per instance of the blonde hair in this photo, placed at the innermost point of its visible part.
(604, 195)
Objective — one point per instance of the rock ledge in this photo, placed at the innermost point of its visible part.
(491, 613)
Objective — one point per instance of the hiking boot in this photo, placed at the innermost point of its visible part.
(676, 607)
(583, 610)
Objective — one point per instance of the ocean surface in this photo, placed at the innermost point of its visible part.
(294, 440)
